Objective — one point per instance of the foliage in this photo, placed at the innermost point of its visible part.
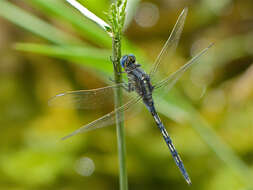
(220, 121)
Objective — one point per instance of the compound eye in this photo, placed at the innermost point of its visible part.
(131, 58)
(123, 61)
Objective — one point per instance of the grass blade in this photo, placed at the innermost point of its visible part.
(89, 57)
(35, 25)
(83, 26)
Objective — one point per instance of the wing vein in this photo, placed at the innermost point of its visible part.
(104, 120)
(172, 41)
(173, 78)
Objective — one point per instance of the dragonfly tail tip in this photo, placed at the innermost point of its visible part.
(188, 180)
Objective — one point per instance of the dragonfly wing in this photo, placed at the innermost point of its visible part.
(105, 120)
(85, 99)
(172, 42)
(173, 78)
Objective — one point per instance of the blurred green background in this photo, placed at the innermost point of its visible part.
(47, 47)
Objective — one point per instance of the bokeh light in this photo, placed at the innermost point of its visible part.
(85, 166)
(147, 15)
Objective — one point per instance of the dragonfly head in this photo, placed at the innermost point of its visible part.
(127, 60)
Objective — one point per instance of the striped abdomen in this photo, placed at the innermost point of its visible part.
(168, 141)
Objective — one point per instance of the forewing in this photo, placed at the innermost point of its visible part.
(173, 78)
(172, 42)
(105, 120)
(85, 99)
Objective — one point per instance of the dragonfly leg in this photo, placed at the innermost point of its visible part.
(126, 86)
(112, 80)
(114, 62)
(130, 87)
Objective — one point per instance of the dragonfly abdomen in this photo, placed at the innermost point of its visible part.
(169, 143)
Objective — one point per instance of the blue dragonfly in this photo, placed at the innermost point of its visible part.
(140, 83)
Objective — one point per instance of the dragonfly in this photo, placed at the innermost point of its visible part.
(140, 83)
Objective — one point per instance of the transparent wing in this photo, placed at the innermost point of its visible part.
(105, 120)
(85, 99)
(172, 42)
(173, 78)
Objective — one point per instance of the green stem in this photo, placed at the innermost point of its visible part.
(117, 18)
(116, 48)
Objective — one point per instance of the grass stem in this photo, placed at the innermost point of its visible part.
(117, 18)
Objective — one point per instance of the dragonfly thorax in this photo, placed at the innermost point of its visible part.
(137, 78)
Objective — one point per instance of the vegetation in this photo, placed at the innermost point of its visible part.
(208, 113)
